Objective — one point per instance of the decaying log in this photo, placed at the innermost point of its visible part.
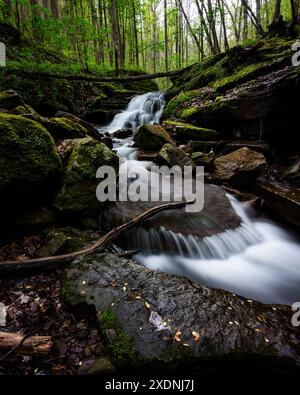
(32, 345)
(53, 262)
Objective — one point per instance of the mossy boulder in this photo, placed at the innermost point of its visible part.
(63, 128)
(78, 190)
(240, 167)
(152, 138)
(28, 159)
(10, 99)
(185, 131)
(173, 156)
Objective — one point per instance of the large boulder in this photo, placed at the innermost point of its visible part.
(154, 319)
(173, 156)
(184, 132)
(78, 190)
(152, 138)
(29, 161)
(241, 166)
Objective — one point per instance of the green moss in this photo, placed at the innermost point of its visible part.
(194, 132)
(27, 151)
(108, 320)
(188, 112)
(62, 128)
(10, 100)
(175, 104)
(78, 192)
(120, 346)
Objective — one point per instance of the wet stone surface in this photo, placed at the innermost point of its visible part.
(148, 316)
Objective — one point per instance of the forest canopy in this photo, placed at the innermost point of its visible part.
(151, 35)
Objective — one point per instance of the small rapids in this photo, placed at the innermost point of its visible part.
(258, 260)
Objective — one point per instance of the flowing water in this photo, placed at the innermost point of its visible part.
(258, 260)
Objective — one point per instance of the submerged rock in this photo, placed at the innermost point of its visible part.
(173, 320)
(78, 191)
(241, 166)
(152, 138)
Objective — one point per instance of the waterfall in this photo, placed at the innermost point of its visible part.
(143, 109)
(258, 260)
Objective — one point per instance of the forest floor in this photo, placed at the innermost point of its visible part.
(34, 306)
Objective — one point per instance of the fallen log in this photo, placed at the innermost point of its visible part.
(81, 77)
(32, 345)
(53, 262)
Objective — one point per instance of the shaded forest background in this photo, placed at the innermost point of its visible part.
(149, 35)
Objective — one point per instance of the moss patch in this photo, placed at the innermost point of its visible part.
(62, 128)
(27, 151)
(78, 191)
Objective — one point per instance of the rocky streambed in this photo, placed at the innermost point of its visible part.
(205, 287)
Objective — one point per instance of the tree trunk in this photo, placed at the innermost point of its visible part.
(166, 36)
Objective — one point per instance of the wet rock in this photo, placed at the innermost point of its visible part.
(123, 133)
(198, 323)
(147, 155)
(282, 200)
(216, 217)
(184, 132)
(107, 141)
(173, 156)
(53, 245)
(239, 167)
(78, 191)
(206, 160)
(152, 138)
(253, 145)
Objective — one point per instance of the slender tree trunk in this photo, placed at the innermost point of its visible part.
(166, 36)
(115, 34)
(136, 39)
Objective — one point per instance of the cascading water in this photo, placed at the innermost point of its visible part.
(144, 109)
(258, 260)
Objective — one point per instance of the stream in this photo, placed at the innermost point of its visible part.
(258, 260)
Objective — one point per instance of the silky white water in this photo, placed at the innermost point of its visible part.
(259, 260)
(143, 109)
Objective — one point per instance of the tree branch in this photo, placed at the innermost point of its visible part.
(53, 262)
